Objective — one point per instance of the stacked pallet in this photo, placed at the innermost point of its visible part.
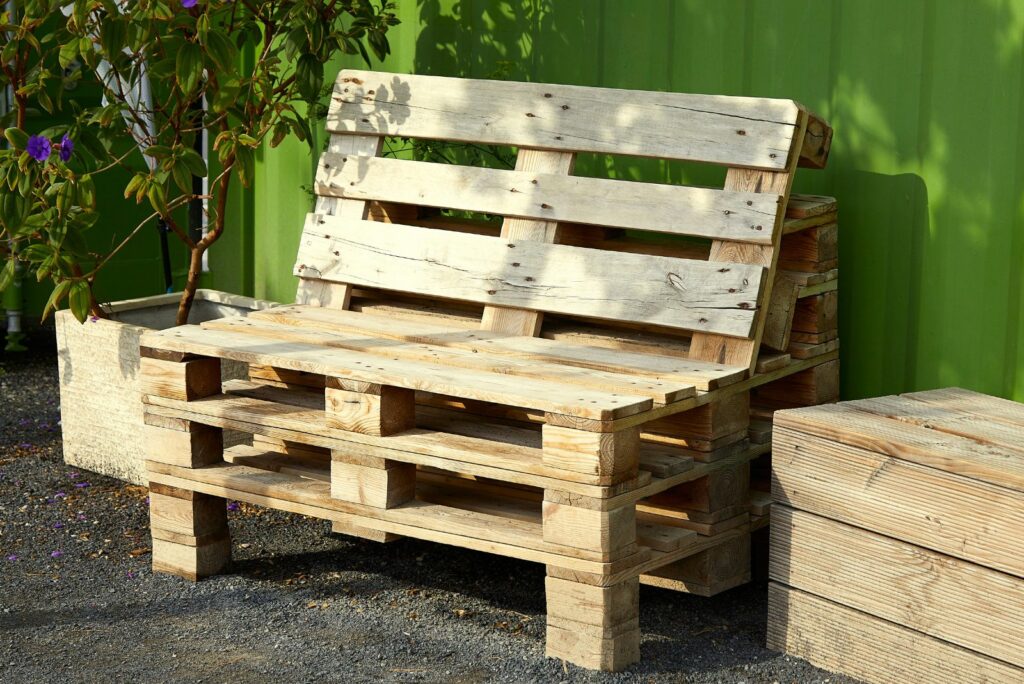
(570, 383)
(896, 538)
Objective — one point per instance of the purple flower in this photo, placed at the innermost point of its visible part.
(233, 506)
(58, 525)
(56, 554)
(60, 495)
(81, 516)
(82, 485)
(66, 148)
(131, 575)
(12, 558)
(73, 476)
(189, 4)
(38, 148)
(25, 445)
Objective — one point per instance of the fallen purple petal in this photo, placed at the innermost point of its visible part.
(131, 575)
(189, 4)
(25, 445)
(56, 554)
(73, 476)
(60, 495)
(233, 506)
(82, 485)
(12, 558)
(58, 525)
(80, 516)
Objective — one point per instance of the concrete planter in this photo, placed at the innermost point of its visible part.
(101, 414)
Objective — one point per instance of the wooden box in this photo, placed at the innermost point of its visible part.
(897, 549)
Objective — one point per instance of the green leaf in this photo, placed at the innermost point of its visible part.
(158, 198)
(245, 164)
(17, 137)
(7, 274)
(55, 297)
(181, 175)
(221, 50)
(80, 299)
(113, 35)
(158, 151)
(309, 77)
(189, 67)
(68, 53)
(194, 162)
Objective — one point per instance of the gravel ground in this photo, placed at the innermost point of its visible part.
(79, 603)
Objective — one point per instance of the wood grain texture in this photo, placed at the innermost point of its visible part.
(735, 131)
(458, 382)
(547, 196)
(959, 516)
(719, 296)
(524, 321)
(702, 375)
(960, 602)
(729, 350)
(840, 639)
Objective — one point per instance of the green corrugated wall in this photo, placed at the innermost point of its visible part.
(927, 101)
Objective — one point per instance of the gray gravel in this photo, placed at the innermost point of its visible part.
(78, 602)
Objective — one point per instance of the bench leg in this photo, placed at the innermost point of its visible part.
(591, 626)
(190, 532)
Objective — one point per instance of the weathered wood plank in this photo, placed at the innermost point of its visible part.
(716, 297)
(960, 602)
(735, 131)
(546, 196)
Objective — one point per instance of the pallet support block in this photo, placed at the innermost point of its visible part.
(706, 429)
(614, 455)
(371, 481)
(180, 442)
(190, 532)
(709, 572)
(593, 627)
(579, 521)
(185, 380)
(369, 409)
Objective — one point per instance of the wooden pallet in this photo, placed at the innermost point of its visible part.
(569, 385)
(896, 538)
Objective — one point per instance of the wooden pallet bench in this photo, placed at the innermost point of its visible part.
(898, 531)
(570, 383)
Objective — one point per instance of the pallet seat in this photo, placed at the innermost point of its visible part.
(521, 361)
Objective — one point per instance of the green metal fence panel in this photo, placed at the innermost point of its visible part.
(927, 101)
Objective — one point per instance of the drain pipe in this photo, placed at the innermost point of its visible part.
(13, 295)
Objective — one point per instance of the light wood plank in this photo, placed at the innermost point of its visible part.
(524, 321)
(716, 297)
(958, 516)
(844, 640)
(483, 532)
(322, 293)
(951, 453)
(549, 196)
(944, 597)
(729, 350)
(342, 363)
(736, 131)
(703, 375)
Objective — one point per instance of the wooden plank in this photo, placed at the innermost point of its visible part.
(840, 639)
(422, 520)
(807, 206)
(817, 142)
(950, 599)
(458, 453)
(736, 131)
(522, 321)
(958, 516)
(342, 363)
(715, 296)
(730, 350)
(958, 399)
(781, 309)
(932, 448)
(974, 426)
(319, 292)
(702, 375)
(549, 196)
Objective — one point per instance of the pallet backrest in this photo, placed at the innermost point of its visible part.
(519, 274)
